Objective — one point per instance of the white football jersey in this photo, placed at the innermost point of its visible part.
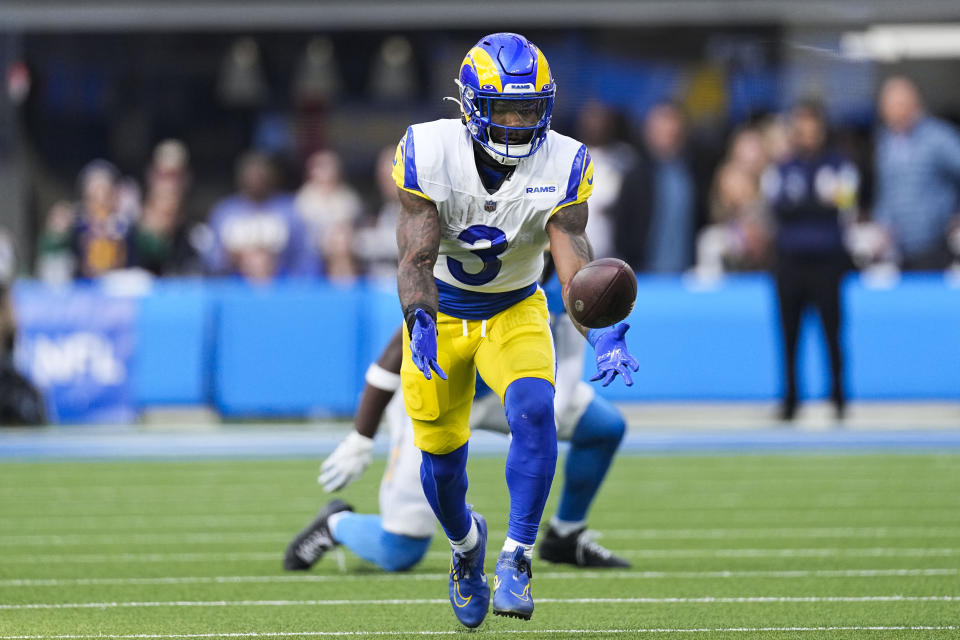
(490, 243)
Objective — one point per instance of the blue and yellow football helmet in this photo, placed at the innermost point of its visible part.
(504, 73)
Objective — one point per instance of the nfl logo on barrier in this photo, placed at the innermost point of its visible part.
(490, 205)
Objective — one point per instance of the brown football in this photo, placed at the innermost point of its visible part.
(602, 293)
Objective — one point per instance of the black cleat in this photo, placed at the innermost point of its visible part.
(315, 540)
(787, 411)
(579, 548)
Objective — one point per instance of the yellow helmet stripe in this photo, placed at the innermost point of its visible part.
(485, 66)
(543, 71)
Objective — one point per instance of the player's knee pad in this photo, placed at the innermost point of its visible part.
(601, 425)
(529, 407)
(402, 552)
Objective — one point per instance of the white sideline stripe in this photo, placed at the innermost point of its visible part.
(549, 575)
(871, 552)
(414, 601)
(619, 534)
(335, 634)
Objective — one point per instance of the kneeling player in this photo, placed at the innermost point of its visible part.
(398, 538)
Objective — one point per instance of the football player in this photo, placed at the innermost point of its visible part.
(398, 538)
(481, 199)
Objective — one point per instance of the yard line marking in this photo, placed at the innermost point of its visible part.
(720, 506)
(134, 522)
(85, 558)
(550, 575)
(190, 537)
(431, 601)
(482, 632)
(148, 538)
(289, 510)
(816, 552)
(69, 486)
(127, 521)
(787, 532)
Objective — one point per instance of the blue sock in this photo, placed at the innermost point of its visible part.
(364, 535)
(594, 442)
(532, 459)
(444, 480)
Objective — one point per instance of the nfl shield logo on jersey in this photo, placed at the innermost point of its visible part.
(490, 205)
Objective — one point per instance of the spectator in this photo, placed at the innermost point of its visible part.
(160, 241)
(776, 138)
(738, 238)
(597, 127)
(809, 194)
(655, 213)
(256, 232)
(748, 152)
(100, 235)
(375, 244)
(330, 208)
(90, 239)
(917, 177)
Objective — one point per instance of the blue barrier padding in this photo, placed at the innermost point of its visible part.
(715, 343)
(172, 364)
(290, 349)
(76, 345)
(380, 319)
(723, 342)
(301, 348)
(904, 342)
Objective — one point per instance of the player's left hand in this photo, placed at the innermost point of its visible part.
(423, 345)
(347, 462)
(612, 354)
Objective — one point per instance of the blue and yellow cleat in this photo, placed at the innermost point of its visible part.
(511, 585)
(469, 591)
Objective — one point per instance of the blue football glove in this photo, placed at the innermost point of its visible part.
(423, 344)
(612, 354)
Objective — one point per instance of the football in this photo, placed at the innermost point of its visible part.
(602, 293)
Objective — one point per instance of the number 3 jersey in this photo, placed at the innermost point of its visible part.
(491, 245)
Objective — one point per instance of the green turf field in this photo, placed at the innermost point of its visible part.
(756, 546)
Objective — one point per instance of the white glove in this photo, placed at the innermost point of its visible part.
(347, 462)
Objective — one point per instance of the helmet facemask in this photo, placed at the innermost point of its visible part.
(508, 125)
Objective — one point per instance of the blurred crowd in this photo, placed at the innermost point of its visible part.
(661, 203)
(259, 233)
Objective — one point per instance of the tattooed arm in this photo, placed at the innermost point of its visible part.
(569, 245)
(418, 239)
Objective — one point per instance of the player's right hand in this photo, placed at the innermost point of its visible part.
(347, 462)
(423, 344)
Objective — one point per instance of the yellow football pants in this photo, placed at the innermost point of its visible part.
(516, 343)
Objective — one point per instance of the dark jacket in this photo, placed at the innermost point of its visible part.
(633, 210)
